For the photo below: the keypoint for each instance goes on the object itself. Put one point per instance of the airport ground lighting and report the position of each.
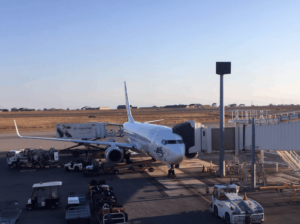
(222, 68)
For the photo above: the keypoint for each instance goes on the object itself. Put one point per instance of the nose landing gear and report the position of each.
(171, 171)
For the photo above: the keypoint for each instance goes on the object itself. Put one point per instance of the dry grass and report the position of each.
(47, 120)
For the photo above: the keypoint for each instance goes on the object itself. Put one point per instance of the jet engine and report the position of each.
(191, 155)
(113, 154)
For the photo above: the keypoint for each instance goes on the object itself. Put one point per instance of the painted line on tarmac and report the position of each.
(23, 171)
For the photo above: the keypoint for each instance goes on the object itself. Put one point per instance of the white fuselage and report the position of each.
(157, 141)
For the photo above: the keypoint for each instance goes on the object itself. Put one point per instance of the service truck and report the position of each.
(34, 158)
(227, 204)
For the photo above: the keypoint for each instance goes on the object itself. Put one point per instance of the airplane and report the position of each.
(159, 142)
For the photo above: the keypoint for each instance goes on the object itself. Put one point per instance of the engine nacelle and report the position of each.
(113, 154)
(191, 155)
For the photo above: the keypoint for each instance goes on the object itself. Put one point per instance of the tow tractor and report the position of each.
(44, 195)
(227, 204)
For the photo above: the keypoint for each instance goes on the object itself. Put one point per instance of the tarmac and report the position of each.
(149, 197)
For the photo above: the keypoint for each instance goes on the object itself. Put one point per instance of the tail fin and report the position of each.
(130, 119)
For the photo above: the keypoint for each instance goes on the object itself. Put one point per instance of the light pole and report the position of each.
(222, 68)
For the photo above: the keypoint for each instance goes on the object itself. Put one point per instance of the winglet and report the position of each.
(17, 129)
(130, 118)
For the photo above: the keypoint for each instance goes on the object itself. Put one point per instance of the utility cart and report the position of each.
(44, 195)
(9, 212)
(77, 209)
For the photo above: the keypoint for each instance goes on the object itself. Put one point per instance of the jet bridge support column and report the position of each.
(236, 145)
(253, 165)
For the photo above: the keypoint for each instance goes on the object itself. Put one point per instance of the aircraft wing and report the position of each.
(125, 145)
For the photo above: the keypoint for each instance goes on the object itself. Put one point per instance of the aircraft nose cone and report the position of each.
(178, 154)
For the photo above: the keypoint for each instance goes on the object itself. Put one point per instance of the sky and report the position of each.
(70, 54)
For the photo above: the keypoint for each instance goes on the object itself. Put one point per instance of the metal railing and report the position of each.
(292, 159)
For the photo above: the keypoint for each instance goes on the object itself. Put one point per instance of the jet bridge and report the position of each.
(198, 138)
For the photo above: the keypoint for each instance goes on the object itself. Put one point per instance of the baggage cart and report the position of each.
(77, 209)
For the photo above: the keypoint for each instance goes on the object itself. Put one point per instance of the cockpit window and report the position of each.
(169, 142)
(227, 190)
(10, 154)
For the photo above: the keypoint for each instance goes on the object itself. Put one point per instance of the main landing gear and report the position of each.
(127, 158)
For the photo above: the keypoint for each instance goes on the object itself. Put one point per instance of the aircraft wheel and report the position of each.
(151, 169)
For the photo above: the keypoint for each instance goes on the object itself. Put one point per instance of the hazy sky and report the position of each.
(78, 53)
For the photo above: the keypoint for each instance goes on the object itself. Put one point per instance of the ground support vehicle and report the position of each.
(79, 165)
(235, 209)
(73, 166)
(77, 208)
(33, 158)
(44, 195)
(96, 168)
(94, 183)
(9, 212)
(132, 167)
(100, 188)
(107, 212)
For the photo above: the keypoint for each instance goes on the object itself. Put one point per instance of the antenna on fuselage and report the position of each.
(129, 116)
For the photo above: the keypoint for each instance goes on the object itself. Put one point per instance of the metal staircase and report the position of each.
(292, 159)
